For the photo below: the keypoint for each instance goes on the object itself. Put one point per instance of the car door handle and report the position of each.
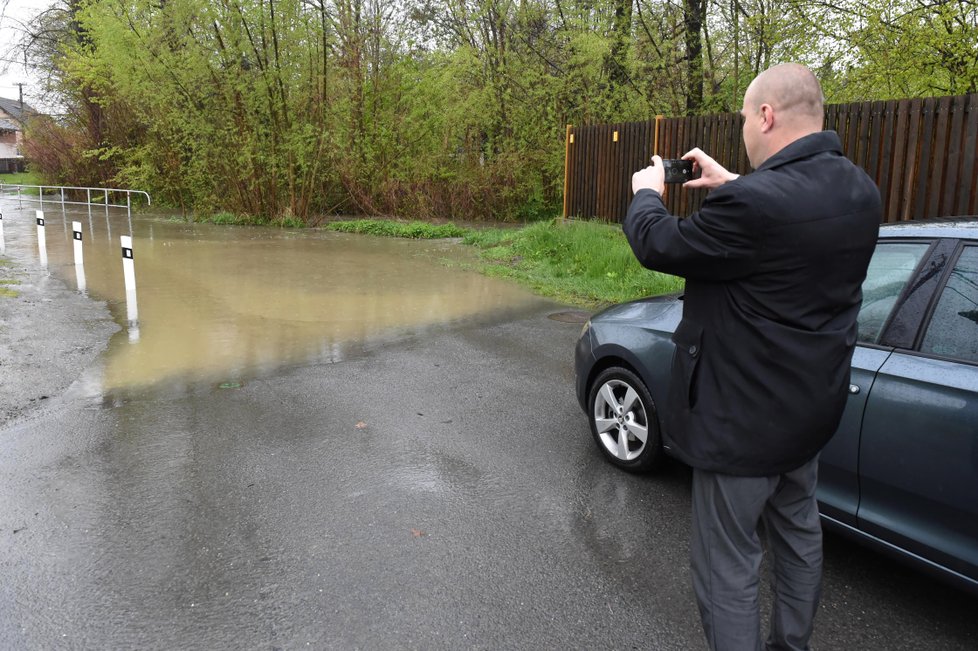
(853, 389)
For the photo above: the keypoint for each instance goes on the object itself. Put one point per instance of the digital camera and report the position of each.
(677, 170)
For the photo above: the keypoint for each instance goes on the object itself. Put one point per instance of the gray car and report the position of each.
(901, 472)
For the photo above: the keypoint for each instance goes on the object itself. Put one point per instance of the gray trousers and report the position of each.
(726, 556)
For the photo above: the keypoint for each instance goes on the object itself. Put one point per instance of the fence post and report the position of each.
(655, 137)
(567, 144)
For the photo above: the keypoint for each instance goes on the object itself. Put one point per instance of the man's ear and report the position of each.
(767, 113)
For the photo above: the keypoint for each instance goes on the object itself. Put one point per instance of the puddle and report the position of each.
(570, 316)
(222, 304)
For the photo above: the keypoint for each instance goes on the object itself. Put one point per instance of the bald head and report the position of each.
(782, 104)
(792, 90)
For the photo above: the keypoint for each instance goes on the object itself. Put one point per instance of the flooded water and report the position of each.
(222, 304)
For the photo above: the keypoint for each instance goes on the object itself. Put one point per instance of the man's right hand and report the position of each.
(712, 173)
(650, 178)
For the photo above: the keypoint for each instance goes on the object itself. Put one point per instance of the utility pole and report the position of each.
(20, 87)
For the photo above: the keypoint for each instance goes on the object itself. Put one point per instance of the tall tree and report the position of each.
(693, 18)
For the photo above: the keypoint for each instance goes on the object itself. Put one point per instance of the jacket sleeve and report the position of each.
(719, 242)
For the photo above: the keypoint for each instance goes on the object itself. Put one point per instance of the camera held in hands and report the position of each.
(677, 170)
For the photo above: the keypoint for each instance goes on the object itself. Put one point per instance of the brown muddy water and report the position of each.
(222, 304)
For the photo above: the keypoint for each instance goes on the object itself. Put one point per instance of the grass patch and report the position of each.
(417, 230)
(21, 178)
(233, 219)
(5, 290)
(585, 263)
(229, 219)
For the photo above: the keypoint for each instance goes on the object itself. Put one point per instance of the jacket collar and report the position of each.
(813, 143)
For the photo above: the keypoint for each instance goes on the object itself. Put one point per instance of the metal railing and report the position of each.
(59, 192)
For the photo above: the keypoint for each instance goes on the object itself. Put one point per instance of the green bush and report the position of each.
(414, 229)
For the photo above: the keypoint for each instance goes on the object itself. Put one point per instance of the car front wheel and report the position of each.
(623, 420)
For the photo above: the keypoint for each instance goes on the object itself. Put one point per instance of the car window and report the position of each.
(891, 266)
(953, 329)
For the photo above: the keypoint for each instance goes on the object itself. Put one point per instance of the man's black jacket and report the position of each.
(774, 262)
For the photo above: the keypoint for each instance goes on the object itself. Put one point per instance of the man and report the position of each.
(774, 262)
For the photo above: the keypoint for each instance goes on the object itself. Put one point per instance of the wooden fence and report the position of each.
(921, 153)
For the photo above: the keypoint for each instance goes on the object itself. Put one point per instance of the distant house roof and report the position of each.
(8, 125)
(18, 112)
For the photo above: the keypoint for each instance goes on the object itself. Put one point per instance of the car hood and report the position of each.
(660, 312)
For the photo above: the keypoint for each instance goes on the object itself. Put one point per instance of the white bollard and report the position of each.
(42, 245)
(3, 245)
(76, 234)
(80, 278)
(128, 266)
(129, 271)
(132, 316)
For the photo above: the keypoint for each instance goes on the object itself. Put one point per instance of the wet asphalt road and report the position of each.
(469, 509)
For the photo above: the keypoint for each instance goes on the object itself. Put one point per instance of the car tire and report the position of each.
(623, 420)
